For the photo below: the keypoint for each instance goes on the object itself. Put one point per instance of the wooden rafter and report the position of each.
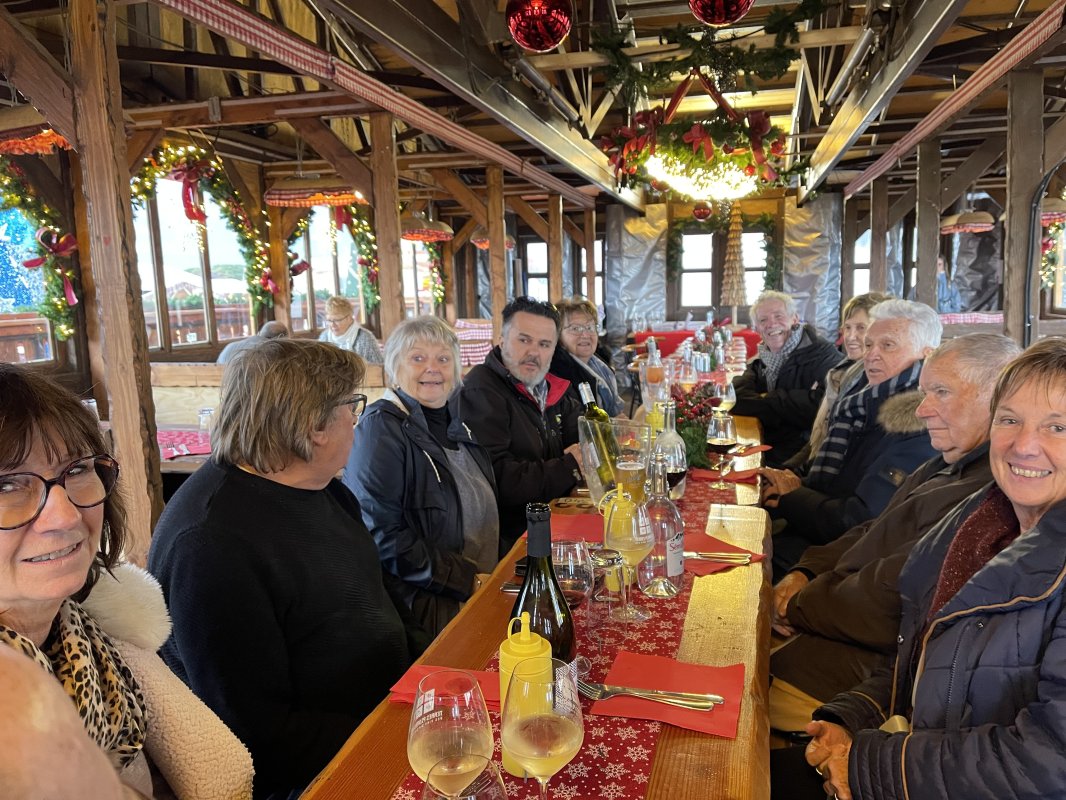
(327, 144)
(463, 194)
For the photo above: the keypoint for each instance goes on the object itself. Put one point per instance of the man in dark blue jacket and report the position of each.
(524, 415)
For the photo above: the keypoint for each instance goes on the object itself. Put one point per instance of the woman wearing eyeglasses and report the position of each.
(426, 488)
(580, 339)
(284, 622)
(89, 621)
(342, 330)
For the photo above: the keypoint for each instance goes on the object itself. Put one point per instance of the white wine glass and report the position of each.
(449, 720)
(573, 570)
(721, 438)
(464, 777)
(542, 728)
(627, 530)
(726, 395)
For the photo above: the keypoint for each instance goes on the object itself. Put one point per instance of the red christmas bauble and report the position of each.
(540, 25)
(701, 211)
(719, 12)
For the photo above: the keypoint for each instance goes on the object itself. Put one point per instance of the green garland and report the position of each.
(17, 193)
(1049, 253)
(213, 181)
(718, 222)
(362, 230)
(436, 273)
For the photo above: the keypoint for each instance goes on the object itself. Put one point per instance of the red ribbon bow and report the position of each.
(698, 137)
(758, 127)
(190, 175)
(267, 282)
(56, 246)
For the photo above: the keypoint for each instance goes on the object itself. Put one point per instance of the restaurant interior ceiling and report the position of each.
(867, 73)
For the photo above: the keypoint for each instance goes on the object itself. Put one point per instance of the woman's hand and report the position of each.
(786, 589)
(828, 753)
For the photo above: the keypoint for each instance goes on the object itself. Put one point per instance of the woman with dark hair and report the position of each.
(67, 602)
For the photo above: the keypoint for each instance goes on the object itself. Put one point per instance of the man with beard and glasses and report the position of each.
(524, 415)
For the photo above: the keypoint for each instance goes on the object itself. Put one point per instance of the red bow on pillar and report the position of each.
(341, 217)
(190, 175)
(56, 246)
(266, 280)
(758, 127)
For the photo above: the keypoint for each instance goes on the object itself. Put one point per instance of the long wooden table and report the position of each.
(727, 623)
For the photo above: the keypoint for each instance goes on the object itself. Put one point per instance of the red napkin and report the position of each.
(190, 450)
(586, 527)
(737, 476)
(703, 543)
(403, 691)
(659, 672)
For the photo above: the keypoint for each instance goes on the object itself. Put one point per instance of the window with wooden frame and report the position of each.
(334, 269)
(26, 336)
(537, 270)
(582, 277)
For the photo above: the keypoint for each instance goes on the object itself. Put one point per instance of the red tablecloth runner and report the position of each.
(616, 757)
(193, 442)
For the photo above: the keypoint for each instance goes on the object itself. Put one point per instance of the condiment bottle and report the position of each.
(518, 646)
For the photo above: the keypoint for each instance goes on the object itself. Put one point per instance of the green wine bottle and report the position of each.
(605, 445)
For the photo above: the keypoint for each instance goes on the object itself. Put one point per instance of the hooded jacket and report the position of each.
(848, 615)
(787, 411)
(410, 502)
(525, 445)
(983, 686)
(191, 747)
(878, 459)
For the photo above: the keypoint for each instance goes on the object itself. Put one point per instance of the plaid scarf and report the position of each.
(850, 417)
(84, 661)
(774, 361)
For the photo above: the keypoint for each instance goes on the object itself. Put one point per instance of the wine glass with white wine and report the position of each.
(542, 729)
(721, 438)
(449, 721)
(464, 777)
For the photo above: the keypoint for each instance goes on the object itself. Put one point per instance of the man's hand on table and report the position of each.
(787, 588)
(828, 753)
(575, 451)
(776, 482)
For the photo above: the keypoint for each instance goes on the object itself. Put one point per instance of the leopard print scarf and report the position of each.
(84, 660)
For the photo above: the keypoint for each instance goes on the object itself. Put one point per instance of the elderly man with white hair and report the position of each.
(874, 440)
(783, 387)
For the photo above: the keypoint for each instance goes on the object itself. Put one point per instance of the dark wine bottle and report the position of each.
(540, 595)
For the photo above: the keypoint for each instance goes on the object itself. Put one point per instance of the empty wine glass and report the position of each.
(449, 720)
(726, 395)
(542, 728)
(573, 570)
(721, 438)
(464, 777)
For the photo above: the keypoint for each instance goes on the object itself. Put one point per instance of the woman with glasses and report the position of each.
(579, 337)
(92, 623)
(284, 622)
(425, 487)
(342, 331)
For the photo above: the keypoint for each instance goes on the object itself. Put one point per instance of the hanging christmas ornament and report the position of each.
(540, 25)
(719, 12)
(701, 211)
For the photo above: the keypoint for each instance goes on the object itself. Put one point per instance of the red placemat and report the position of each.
(704, 543)
(182, 443)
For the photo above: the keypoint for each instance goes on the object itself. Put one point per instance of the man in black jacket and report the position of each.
(524, 415)
(784, 385)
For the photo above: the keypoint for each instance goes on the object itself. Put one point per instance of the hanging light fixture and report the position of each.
(719, 12)
(539, 25)
(720, 180)
(1052, 211)
(304, 192)
(975, 222)
(948, 223)
(417, 227)
(480, 239)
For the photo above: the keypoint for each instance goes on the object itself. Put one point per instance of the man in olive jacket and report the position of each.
(783, 387)
(841, 598)
(523, 415)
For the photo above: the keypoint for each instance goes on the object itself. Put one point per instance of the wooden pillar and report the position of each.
(879, 235)
(928, 219)
(1025, 169)
(387, 220)
(555, 247)
(590, 255)
(470, 283)
(497, 247)
(847, 251)
(279, 266)
(105, 176)
(447, 262)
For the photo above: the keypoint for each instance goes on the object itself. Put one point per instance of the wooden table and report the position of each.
(728, 622)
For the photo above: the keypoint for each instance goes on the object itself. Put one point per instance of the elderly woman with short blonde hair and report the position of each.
(342, 330)
(425, 486)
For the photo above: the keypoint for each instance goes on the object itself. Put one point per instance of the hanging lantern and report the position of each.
(1052, 210)
(540, 25)
(417, 227)
(308, 192)
(975, 222)
(719, 12)
(701, 211)
(948, 224)
(480, 239)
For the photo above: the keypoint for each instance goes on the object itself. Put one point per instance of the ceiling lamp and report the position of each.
(721, 180)
(539, 25)
(303, 192)
(719, 12)
(948, 223)
(975, 222)
(480, 239)
(417, 227)
(1052, 211)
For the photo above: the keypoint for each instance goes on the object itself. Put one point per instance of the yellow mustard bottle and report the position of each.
(518, 646)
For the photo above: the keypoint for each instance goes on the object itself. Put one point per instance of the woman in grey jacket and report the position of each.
(976, 705)
(425, 487)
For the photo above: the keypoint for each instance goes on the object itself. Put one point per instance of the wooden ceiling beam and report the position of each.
(248, 110)
(463, 194)
(529, 216)
(327, 144)
(197, 60)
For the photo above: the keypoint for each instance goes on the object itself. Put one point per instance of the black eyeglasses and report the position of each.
(87, 482)
(357, 404)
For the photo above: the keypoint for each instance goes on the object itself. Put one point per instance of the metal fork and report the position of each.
(696, 702)
(743, 559)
